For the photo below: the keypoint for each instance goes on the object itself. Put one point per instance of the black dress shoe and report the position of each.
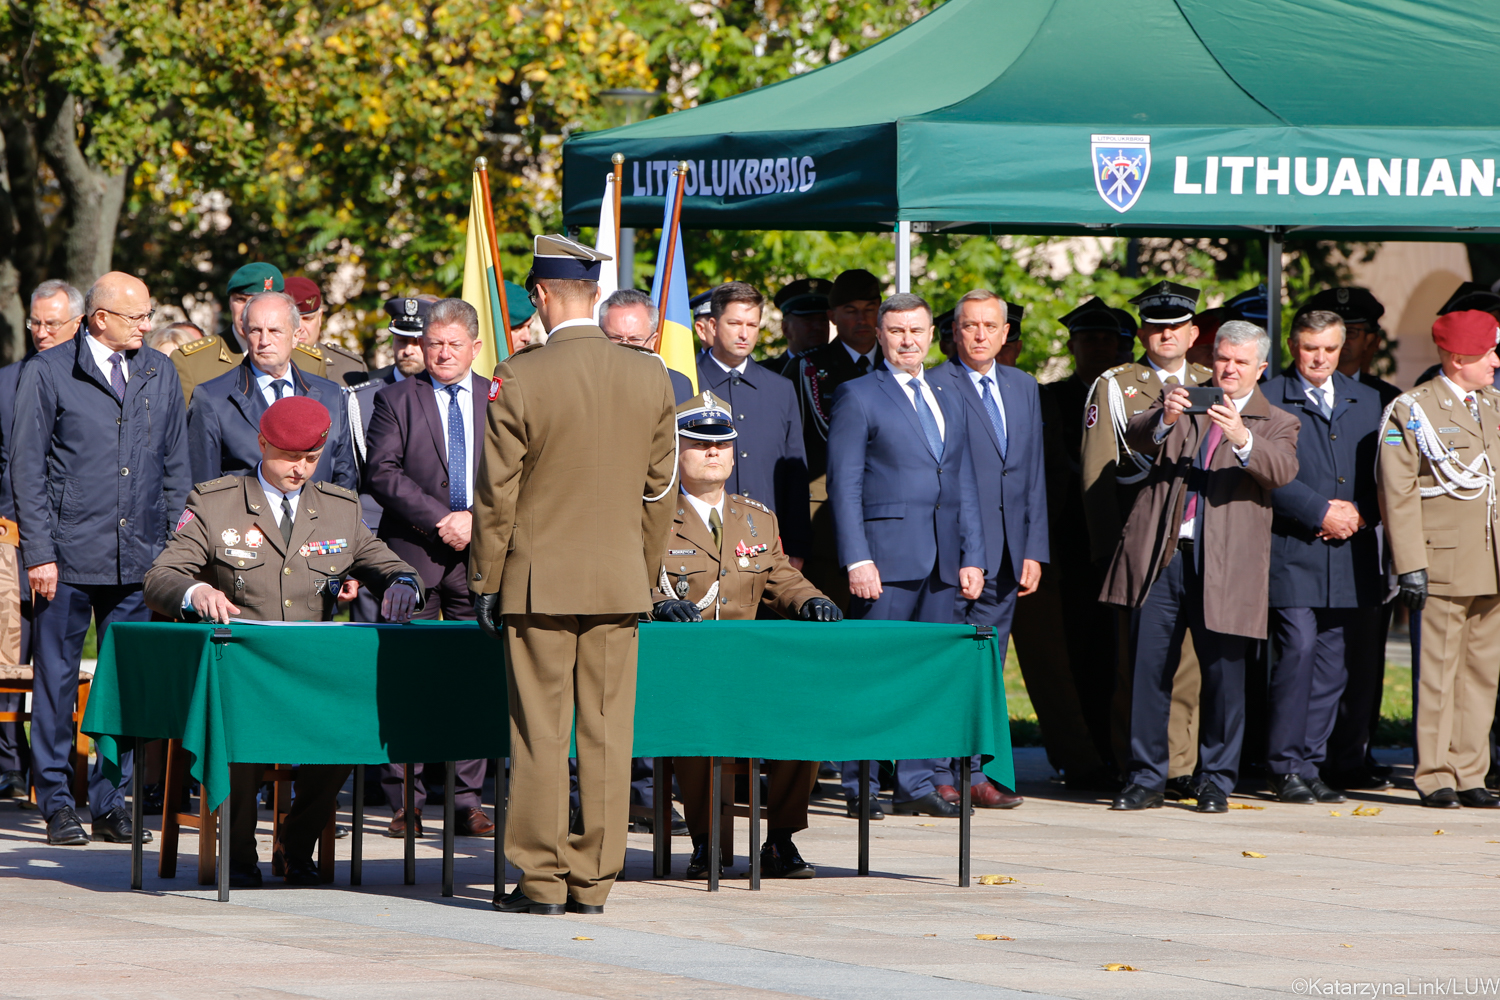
(12, 783)
(1478, 798)
(698, 864)
(931, 804)
(115, 827)
(1211, 799)
(1180, 787)
(1443, 798)
(1291, 788)
(244, 876)
(574, 906)
(1323, 793)
(65, 829)
(783, 861)
(1134, 796)
(852, 808)
(302, 871)
(518, 902)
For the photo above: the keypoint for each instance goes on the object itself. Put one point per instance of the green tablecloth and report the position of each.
(429, 691)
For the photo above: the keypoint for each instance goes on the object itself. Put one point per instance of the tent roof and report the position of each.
(983, 115)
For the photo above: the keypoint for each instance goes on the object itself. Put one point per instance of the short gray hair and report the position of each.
(454, 312)
(1239, 332)
(903, 302)
(281, 298)
(1316, 321)
(979, 295)
(626, 297)
(55, 286)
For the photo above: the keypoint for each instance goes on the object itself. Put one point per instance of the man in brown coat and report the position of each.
(573, 502)
(1437, 497)
(1196, 555)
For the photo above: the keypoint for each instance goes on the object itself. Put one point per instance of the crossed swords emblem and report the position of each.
(1117, 172)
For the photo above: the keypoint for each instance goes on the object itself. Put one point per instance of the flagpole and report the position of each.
(619, 161)
(675, 228)
(483, 166)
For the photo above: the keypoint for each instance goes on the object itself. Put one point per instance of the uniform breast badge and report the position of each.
(230, 536)
(746, 551)
(254, 537)
(324, 548)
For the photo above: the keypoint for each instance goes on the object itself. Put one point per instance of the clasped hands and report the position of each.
(398, 604)
(1342, 521)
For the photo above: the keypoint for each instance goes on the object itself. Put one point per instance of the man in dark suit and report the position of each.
(102, 418)
(804, 321)
(770, 464)
(1195, 555)
(424, 450)
(906, 505)
(1326, 581)
(224, 416)
(629, 317)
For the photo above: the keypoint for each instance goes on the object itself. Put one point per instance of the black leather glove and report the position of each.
(819, 609)
(1413, 589)
(487, 608)
(673, 610)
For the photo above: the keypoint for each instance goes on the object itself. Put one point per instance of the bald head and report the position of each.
(118, 307)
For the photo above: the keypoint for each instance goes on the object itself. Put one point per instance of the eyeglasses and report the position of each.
(50, 325)
(131, 320)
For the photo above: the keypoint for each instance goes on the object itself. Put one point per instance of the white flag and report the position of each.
(609, 274)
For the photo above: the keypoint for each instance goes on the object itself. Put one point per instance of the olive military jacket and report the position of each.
(207, 358)
(749, 566)
(1110, 479)
(228, 538)
(1453, 539)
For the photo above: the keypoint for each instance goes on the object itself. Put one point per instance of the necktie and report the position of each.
(994, 411)
(1173, 380)
(279, 387)
(716, 525)
(458, 453)
(286, 521)
(1215, 435)
(1469, 401)
(862, 365)
(1320, 403)
(117, 375)
(927, 420)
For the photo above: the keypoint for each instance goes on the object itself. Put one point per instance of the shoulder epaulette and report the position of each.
(736, 498)
(534, 346)
(215, 485)
(1118, 369)
(337, 491)
(340, 349)
(194, 346)
(1201, 368)
(310, 351)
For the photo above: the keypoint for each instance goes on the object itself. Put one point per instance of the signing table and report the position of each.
(435, 691)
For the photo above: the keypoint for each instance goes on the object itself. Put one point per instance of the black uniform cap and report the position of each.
(408, 316)
(1353, 305)
(1092, 315)
(804, 297)
(1167, 302)
(1470, 295)
(1014, 313)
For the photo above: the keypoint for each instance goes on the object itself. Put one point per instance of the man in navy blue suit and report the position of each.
(906, 507)
(1326, 582)
(224, 417)
(1005, 447)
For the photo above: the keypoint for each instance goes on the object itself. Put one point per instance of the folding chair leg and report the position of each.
(326, 842)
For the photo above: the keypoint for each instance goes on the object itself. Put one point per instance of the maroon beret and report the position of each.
(304, 292)
(1467, 331)
(296, 423)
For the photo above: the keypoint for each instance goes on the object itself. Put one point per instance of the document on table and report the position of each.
(252, 621)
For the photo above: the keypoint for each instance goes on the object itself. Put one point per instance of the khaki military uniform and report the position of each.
(1452, 535)
(730, 586)
(228, 538)
(340, 365)
(1110, 478)
(572, 502)
(198, 361)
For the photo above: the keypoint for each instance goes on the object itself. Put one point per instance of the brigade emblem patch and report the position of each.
(495, 384)
(1121, 164)
(1092, 416)
(1393, 436)
(183, 521)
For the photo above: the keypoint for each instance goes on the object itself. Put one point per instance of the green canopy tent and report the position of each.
(1316, 119)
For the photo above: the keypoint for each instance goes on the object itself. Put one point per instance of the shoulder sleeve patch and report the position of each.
(337, 491)
(194, 346)
(215, 485)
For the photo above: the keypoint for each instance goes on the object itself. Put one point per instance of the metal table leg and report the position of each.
(502, 791)
(864, 817)
(137, 814)
(661, 828)
(754, 770)
(715, 812)
(964, 824)
(223, 814)
(411, 828)
(448, 811)
(357, 835)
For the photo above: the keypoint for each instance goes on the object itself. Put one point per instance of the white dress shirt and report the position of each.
(102, 352)
(466, 407)
(1462, 395)
(585, 321)
(872, 355)
(265, 383)
(703, 509)
(1161, 373)
(738, 369)
(1311, 391)
(994, 391)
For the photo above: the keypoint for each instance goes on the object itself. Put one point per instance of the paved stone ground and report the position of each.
(1336, 899)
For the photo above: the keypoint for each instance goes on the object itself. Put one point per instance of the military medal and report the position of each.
(230, 536)
(253, 537)
(746, 551)
(325, 548)
(1131, 390)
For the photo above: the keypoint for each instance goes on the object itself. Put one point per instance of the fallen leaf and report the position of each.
(1243, 805)
(1185, 802)
(929, 935)
(1119, 967)
(1252, 854)
(927, 824)
(582, 939)
(995, 880)
(1334, 812)
(1366, 810)
(1346, 946)
(1438, 833)
(988, 937)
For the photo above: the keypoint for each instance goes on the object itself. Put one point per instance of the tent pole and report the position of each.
(1273, 297)
(903, 256)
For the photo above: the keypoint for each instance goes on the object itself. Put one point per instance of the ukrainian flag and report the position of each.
(676, 347)
(481, 280)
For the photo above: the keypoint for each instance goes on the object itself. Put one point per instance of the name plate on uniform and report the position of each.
(241, 554)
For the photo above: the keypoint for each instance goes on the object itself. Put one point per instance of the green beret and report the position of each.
(257, 277)
(518, 305)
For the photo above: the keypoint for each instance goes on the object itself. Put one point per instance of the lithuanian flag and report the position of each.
(482, 277)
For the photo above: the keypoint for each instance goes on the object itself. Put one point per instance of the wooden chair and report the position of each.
(17, 678)
(207, 825)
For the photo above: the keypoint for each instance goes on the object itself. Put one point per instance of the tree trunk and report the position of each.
(94, 197)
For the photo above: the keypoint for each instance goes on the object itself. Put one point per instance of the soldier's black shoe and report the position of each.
(1478, 798)
(574, 906)
(65, 829)
(1180, 787)
(931, 804)
(1291, 788)
(115, 827)
(12, 783)
(518, 902)
(851, 807)
(302, 871)
(1323, 793)
(698, 864)
(1443, 798)
(783, 861)
(1134, 796)
(1211, 799)
(244, 876)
